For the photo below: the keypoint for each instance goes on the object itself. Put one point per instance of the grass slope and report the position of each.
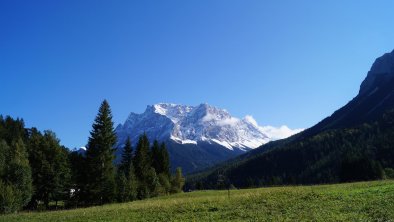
(365, 201)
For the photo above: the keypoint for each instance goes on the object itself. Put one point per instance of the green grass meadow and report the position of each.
(364, 201)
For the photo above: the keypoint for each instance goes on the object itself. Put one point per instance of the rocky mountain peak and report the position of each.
(382, 70)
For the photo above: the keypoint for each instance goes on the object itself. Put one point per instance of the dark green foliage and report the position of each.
(12, 130)
(78, 180)
(161, 165)
(4, 152)
(164, 160)
(358, 167)
(142, 163)
(15, 171)
(121, 187)
(352, 154)
(152, 183)
(389, 172)
(156, 157)
(142, 157)
(126, 181)
(127, 158)
(100, 175)
(178, 181)
(149, 171)
(132, 185)
(50, 168)
(165, 184)
(160, 158)
(36, 170)
(18, 171)
(10, 198)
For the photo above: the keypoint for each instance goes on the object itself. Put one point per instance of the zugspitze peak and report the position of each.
(193, 124)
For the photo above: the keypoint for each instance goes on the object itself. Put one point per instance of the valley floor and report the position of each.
(364, 201)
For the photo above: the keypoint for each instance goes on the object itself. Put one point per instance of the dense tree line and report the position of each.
(15, 172)
(365, 152)
(34, 167)
(36, 172)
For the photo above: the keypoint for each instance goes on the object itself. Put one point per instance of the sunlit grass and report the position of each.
(366, 201)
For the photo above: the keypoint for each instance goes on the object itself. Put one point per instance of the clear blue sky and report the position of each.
(283, 62)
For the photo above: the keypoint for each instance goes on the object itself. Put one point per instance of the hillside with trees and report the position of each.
(353, 144)
(360, 153)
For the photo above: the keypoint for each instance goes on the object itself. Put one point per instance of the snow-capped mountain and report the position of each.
(202, 128)
(193, 124)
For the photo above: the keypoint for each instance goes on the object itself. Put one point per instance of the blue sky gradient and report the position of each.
(283, 62)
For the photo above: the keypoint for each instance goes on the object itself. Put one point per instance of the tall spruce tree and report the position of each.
(143, 164)
(160, 158)
(161, 165)
(178, 181)
(127, 158)
(156, 157)
(165, 160)
(126, 180)
(99, 157)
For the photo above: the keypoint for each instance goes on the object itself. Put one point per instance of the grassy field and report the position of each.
(366, 201)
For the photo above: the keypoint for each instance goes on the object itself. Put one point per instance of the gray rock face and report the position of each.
(192, 125)
(381, 70)
(196, 136)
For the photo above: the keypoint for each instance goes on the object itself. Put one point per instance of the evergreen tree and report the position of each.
(13, 130)
(152, 183)
(178, 181)
(142, 163)
(132, 184)
(50, 168)
(4, 154)
(18, 171)
(161, 164)
(10, 196)
(165, 185)
(156, 158)
(142, 157)
(127, 158)
(79, 194)
(121, 186)
(99, 156)
(15, 171)
(126, 179)
(160, 159)
(165, 160)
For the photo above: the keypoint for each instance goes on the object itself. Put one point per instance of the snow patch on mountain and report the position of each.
(176, 139)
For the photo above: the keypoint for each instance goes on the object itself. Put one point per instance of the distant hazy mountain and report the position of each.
(198, 136)
(354, 143)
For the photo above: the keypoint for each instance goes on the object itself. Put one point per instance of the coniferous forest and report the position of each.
(359, 153)
(38, 173)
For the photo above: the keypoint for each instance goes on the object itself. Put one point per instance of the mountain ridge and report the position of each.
(321, 153)
(192, 124)
(197, 128)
